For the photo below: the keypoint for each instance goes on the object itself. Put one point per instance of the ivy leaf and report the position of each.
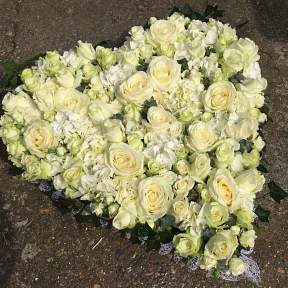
(11, 71)
(147, 104)
(237, 78)
(117, 116)
(87, 219)
(276, 192)
(142, 67)
(212, 11)
(10, 68)
(262, 168)
(184, 64)
(245, 146)
(153, 244)
(165, 236)
(216, 273)
(262, 214)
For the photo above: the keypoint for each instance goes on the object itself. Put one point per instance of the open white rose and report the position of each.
(200, 166)
(201, 136)
(183, 185)
(20, 107)
(247, 239)
(113, 130)
(136, 89)
(222, 245)
(126, 217)
(159, 118)
(224, 154)
(237, 266)
(154, 196)
(69, 99)
(161, 32)
(219, 96)
(39, 138)
(250, 181)
(86, 51)
(45, 99)
(242, 126)
(187, 244)
(180, 209)
(222, 187)
(215, 214)
(99, 111)
(164, 73)
(124, 160)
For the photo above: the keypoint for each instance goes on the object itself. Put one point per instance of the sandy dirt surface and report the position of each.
(39, 246)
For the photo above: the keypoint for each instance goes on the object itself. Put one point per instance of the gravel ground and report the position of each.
(39, 246)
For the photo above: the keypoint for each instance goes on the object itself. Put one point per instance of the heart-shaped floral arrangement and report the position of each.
(160, 135)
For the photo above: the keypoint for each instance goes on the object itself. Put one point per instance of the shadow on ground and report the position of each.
(7, 242)
(271, 18)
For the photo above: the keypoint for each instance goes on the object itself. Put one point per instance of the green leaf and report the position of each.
(87, 219)
(262, 214)
(165, 236)
(184, 64)
(276, 192)
(216, 273)
(210, 12)
(245, 146)
(262, 168)
(237, 78)
(153, 244)
(147, 104)
(10, 69)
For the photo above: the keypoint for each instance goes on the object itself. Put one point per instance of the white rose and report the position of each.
(242, 127)
(233, 60)
(164, 73)
(86, 51)
(247, 238)
(224, 154)
(183, 185)
(250, 181)
(20, 107)
(201, 136)
(187, 244)
(222, 187)
(124, 160)
(99, 111)
(259, 143)
(162, 31)
(180, 209)
(113, 130)
(200, 166)
(248, 48)
(154, 197)
(159, 118)
(136, 89)
(237, 266)
(126, 217)
(215, 214)
(72, 100)
(39, 138)
(219, 96)
(253, 90)
(222, 245)
(45, 101)
(67, 79)
(73, 174)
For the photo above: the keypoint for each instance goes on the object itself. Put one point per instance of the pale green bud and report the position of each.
(105, 57)
(252, 159)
